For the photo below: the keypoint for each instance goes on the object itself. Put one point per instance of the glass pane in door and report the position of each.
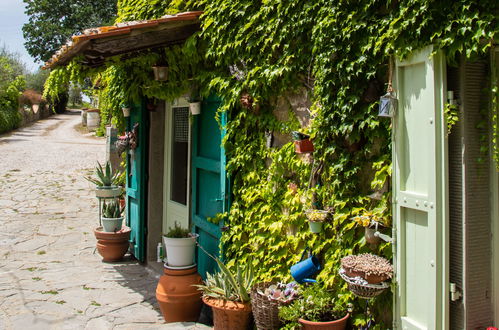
(179, 148)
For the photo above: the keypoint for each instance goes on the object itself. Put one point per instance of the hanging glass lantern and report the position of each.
(387, 105)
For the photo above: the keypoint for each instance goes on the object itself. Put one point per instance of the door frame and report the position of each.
(167, 203)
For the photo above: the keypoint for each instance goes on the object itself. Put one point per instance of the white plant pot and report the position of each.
(112, 225)
(107, 192)
(126, 112)
(195, 108)
(180, 251)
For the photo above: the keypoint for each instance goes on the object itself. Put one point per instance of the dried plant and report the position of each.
(368, 264)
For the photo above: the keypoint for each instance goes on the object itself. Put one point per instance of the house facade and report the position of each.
(445, 197)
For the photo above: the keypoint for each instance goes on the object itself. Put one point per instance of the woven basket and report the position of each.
(365, 291)
(265, 310)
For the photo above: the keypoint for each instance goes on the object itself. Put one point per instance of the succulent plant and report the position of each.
(229, 285)
(105, 177)
(111, 209)
(282, 292)
(369, 264)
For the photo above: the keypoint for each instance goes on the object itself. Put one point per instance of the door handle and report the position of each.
(216, 200)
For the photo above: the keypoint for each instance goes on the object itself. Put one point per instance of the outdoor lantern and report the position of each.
(160, 73)
(387, 105)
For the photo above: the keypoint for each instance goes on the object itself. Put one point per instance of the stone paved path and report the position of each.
(50, 277)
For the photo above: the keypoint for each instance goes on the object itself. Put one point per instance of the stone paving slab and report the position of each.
(50, 275)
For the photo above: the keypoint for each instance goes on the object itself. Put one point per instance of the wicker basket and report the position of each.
(265, 310)
(365, 291)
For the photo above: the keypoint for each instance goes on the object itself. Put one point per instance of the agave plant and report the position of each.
(111, 209)
(106, 177)
(229, 285)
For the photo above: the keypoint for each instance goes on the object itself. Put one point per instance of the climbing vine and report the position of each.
(335, 53)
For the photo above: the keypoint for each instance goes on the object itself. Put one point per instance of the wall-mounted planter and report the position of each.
(304, 146)
(160, 73)
(195, 108)
(315, 226)
(126, 111)
(370, 237)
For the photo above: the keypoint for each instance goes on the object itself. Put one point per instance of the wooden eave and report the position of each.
(99, 44)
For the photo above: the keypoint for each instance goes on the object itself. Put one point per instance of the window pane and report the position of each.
(179, 145)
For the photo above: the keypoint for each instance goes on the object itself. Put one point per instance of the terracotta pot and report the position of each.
(304, 146)
(178, 299)
(229, 315)
(331, 325)
(122, 203)
(371, 279)
(112, 246)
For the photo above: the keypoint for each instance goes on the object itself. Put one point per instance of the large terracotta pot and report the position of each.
(112, 246)
(331, 325)
(178, 299)
(229, 315)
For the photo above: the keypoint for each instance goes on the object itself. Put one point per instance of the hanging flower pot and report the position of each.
(195, 108)
(315, 219)
(126, 111)
(160, 73)
(303, 144)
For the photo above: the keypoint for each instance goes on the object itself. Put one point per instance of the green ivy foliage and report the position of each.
(337, 52)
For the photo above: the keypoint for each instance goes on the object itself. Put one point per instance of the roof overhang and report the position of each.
(97, 44)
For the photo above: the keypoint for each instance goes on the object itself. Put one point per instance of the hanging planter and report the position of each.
(302, 142)
(315, 219)
(195, 100)
(160, 73)
(126, 111)
(195, 108)
(369, 267)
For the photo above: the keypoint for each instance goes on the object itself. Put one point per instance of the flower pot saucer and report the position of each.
(179, 267)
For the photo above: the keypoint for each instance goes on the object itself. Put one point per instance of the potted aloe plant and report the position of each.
(227, 293)
(317, 308)
(105, 181)
(180, 245)
(112, 216)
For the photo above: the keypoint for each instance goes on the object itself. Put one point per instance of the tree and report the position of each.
(36, 80)
(52, 23)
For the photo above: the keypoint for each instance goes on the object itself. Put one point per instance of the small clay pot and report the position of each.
(340, 324)
(112, 246)
(371, 279)
(178, 299)
(304, 146)
(229, 315)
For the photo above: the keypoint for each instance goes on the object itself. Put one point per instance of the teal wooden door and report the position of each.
(420, 194)
(209, 182)
(136, 184)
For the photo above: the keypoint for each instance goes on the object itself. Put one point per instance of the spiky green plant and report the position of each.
(105, 177)
(177, 231)
(228, 285)
(111, 209)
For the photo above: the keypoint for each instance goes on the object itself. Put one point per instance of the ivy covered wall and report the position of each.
(334, 55)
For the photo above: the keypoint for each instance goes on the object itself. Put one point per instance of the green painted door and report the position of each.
(209, 182)
(136, 185)
(420, 197)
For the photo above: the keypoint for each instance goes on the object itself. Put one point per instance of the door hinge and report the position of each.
(455, 293)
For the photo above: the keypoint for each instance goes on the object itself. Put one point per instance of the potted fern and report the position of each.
(112, 216)
(180, 245)
(105, 181)
(227, 293)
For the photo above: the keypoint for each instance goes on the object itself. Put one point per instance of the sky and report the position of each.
(12, 18)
